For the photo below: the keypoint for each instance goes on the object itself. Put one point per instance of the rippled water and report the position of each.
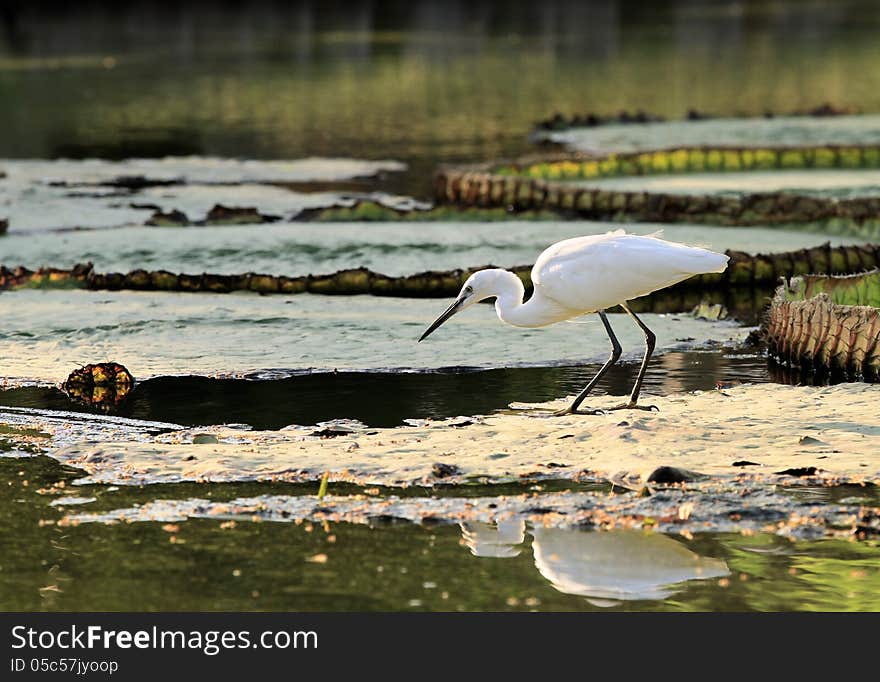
(217, 565)
(46, 334)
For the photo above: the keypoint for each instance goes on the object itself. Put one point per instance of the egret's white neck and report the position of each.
(536, 312)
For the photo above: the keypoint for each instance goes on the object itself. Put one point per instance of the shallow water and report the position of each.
(47, 334)
(387, 398)
(420, 82)
(211, 564)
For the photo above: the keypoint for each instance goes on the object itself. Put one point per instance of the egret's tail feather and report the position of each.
(723, 260)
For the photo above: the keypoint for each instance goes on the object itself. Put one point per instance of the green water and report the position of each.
(394, 566)
(417, 81)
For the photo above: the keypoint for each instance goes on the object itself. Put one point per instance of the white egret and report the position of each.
(588, 275)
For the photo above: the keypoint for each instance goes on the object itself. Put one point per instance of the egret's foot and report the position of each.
(566, 411)
(633, 406)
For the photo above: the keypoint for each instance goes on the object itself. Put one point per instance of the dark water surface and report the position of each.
(421, 81)
(387, 398)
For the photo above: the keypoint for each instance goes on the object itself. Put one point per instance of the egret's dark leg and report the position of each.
(614, 357)
(650, 340)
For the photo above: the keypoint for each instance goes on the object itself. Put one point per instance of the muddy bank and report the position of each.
(491, 525)
(772, 432)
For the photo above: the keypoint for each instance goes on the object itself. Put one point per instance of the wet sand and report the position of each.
(830, 433)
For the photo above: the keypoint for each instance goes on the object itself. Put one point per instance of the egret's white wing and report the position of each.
(600, 271)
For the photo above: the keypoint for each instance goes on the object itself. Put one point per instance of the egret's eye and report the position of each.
(469, 290)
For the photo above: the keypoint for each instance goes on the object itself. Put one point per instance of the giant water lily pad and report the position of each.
(64, 194)
(393, 248)
(783, 130)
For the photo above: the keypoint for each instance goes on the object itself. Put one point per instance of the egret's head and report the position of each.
(481, 285)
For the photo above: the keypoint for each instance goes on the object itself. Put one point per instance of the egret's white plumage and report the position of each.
(587, 275)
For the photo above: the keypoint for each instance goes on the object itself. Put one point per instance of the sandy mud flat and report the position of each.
(801, 462)
(832, 432)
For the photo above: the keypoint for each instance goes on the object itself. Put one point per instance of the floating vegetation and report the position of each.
(366, 210)
(21, 440)
(104, 385)
(746, 274)
(857, 290)
(548, 183)
(590, 120)
(581, 166)
(218, 215)
(828, 324)
(91, 194)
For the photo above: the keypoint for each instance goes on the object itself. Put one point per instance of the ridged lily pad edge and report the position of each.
(811, 332)
(542, 183)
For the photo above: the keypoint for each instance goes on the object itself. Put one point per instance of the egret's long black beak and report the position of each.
(449, 312)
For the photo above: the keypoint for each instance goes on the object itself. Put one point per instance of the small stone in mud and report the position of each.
(809, 440)
(798, 471)
(441, 470)
(205, 438)
(667, 474)
(329, 432)
(721, 385)
(556, 465)
(744, 463)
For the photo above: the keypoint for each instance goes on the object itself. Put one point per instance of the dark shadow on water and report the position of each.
(386, 398)
(134, 143)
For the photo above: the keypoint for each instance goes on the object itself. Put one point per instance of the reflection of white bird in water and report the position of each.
(587, 275)
(618, 565)
(607, 567)
(504, 539)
